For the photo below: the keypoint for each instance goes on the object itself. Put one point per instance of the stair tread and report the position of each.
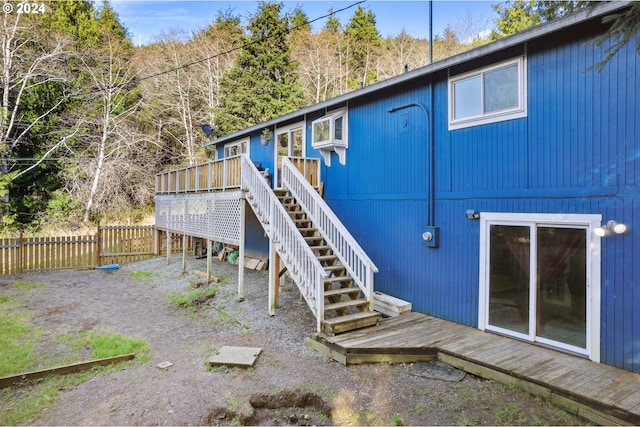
(341, 291)
(350, 317)
(345, 304)
(336, 279)
(326, 257)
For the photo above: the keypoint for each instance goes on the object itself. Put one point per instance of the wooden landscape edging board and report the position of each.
(66, 369)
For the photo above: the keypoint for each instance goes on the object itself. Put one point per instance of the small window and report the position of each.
(488, 95)
(236, 148)
(329, 130)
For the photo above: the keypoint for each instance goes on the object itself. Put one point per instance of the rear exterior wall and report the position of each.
(577, 151)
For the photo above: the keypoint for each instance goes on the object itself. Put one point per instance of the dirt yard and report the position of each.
(290, 384)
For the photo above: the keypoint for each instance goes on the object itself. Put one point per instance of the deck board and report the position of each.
(598, 392)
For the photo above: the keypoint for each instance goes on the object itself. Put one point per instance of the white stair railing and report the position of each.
(344, 246)
(294, 251)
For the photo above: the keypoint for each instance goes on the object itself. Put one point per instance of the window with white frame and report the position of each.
(329, 133)
(236, 148)
(329, 130)
(488, 95)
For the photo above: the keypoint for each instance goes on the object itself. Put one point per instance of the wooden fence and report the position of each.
(110, 245)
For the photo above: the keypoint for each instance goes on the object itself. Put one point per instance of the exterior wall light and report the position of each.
(611, 226)
(472, 214)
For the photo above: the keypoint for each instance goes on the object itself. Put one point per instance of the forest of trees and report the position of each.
(87, 118)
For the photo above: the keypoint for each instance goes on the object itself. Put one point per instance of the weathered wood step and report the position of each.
(354, 303)
(334, 268)
(338, 279)
(307, 229)
(342, 291)
(340, 324)
(313, 238)
(327, 258)
(320, 248)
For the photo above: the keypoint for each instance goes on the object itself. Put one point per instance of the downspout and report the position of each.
(430, 233)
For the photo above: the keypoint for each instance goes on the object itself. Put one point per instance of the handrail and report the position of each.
(294, 251)
(215, 175)
(344, 246)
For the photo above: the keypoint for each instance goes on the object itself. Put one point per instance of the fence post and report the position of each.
(98, 244)
(184, 252)
(21, 253)
(168, 247)
(156, 241)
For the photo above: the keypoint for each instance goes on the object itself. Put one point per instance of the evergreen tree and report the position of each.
(333, 23)
(263, 83)
(624, 28)
(363, 48)
(518, 15)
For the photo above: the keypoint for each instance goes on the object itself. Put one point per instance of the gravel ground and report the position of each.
(290, 383)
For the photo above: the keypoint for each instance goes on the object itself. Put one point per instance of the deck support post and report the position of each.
(184, 252)
(209, 250)
(243, 218)
(168, 247)
(274, 277)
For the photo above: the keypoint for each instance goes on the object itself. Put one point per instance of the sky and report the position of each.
(148, 19)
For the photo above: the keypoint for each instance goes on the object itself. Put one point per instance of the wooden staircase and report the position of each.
(345, 309)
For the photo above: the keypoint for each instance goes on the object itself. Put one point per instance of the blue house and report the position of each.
(498, 189)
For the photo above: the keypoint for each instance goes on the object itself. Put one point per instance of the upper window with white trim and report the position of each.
(329, 133)
(329, 130)
(236, 148)
(488, 95)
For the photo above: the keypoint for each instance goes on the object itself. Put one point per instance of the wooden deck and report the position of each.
(600, 393)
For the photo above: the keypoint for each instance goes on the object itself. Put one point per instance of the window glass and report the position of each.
(321, 130)
(283, 139)
(466, 98)
(337, 132)
(235, 149)
(488, 95)
(501, 89)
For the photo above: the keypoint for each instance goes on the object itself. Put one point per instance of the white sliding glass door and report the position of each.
(540, 279)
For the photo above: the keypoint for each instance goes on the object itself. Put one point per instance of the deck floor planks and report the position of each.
(621, 394)
(632, 401)
(573, 379)
(406, 341)
(478, 346)
(604, 385)
(527, 361)
(390, 332)
(467, 341)
(562, 368)
(617, 391)
(550, 371)
(504, 356)
(390, 325)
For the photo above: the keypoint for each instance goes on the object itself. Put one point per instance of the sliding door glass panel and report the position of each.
(561, 285)
(510, 258)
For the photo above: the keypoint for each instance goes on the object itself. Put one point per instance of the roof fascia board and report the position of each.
(576, 18)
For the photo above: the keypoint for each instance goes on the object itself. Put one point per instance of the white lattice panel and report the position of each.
(214, 216)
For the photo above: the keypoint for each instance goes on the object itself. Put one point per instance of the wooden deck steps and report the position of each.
(599, 393)
(345, 309)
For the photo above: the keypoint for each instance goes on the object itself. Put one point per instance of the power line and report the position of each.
(161, 73)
